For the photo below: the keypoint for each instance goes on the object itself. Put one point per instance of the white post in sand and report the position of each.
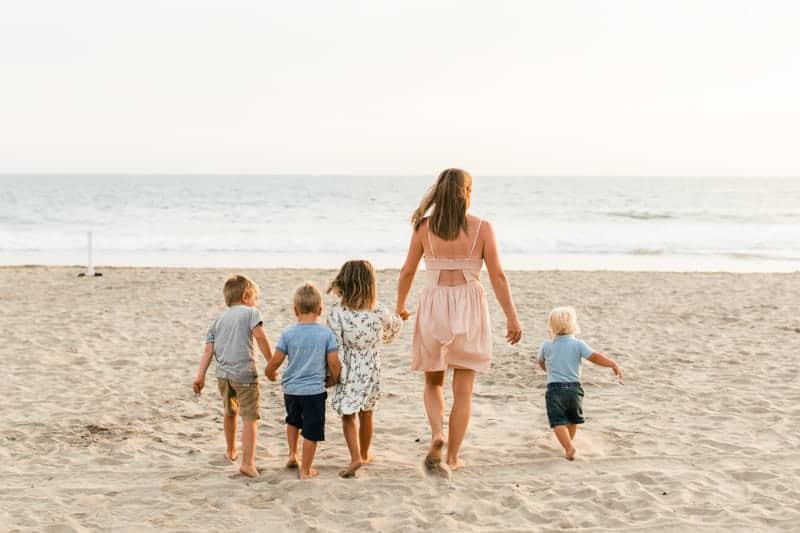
(90, 271)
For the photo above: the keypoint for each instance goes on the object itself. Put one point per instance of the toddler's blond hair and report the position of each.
(307, 299)
(563, 321)
(237, 288)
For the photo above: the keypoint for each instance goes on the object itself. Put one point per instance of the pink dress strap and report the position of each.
(475, 241)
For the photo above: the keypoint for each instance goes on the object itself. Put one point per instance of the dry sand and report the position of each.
(100, 429)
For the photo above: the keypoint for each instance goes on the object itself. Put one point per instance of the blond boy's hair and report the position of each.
(355, 284)
(307, 299)
(238, 287)
(563, 321)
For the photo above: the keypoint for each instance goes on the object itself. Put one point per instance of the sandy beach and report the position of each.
(100, 429)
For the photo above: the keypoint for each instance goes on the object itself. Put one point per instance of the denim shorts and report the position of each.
(564, 403)
(307, 413)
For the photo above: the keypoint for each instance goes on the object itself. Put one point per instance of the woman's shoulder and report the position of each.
(423, 225)
(482, 222)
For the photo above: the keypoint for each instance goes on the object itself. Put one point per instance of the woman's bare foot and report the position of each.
(455, 464)
(570, 454)
(367, 460)
(292, 462)
(433, 461)
(351, 470)
(231, 455)
(435, 450)
(249, 470)
(311, 472)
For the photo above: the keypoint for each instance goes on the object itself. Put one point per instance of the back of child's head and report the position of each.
(237, 288)
(563, 321)
(355, 284)
(307, 299)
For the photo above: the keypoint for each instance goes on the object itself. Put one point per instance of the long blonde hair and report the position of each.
(355, 284)
(448, 197)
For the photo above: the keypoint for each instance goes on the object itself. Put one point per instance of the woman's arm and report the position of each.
(502, 290)
(407, 273)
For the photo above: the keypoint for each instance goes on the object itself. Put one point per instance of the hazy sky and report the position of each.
(669, 87)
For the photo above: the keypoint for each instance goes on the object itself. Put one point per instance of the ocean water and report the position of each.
(319, 221)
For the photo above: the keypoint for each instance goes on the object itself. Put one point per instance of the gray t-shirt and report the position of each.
(563, 356)
(306, 347)
(234, 348)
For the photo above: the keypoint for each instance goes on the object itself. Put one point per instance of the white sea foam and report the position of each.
(607, 223)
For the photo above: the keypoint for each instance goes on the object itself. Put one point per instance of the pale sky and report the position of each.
(559, 87)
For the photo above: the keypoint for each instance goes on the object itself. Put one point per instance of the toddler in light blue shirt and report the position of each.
(561, 358)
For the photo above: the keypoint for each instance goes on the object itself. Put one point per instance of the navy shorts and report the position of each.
(564, 403)
(307, 413)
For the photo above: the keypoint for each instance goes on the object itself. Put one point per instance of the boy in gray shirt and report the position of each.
(230, 341)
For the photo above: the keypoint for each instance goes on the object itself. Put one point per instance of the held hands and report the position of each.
(198, 384)
(403, 312)
(329, 382)
(513, 331)
(272, 376)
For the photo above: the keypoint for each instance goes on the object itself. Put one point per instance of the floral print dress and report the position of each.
(359, 333)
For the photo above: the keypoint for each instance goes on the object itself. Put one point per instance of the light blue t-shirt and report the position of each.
(306, 347)
(562, 357)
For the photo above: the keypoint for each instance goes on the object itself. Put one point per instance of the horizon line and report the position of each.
(377, 175)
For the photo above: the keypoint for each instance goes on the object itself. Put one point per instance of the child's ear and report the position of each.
(295, 311)
(319, 311)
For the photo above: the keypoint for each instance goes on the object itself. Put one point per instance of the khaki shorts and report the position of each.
(240, 398)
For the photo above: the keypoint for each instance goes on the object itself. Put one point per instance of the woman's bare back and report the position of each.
(458, 248)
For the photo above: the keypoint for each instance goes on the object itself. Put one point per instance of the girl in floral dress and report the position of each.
(360, 323)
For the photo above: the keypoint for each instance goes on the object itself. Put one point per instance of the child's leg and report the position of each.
(293, 438)
(230, 404)
(249, 430)
(562, 434)
(351, 437)
(229, 424)
(309, 449)
(365, 435)
(572, 428)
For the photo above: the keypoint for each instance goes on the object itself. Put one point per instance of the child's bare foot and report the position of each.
(455, 464)
(367, 460)
(249, 470)
(231, 455)
(351, 470)
(293, 462)
(570, 454)
(308, 474)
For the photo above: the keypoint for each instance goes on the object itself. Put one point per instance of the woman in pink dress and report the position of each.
(452, 328)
